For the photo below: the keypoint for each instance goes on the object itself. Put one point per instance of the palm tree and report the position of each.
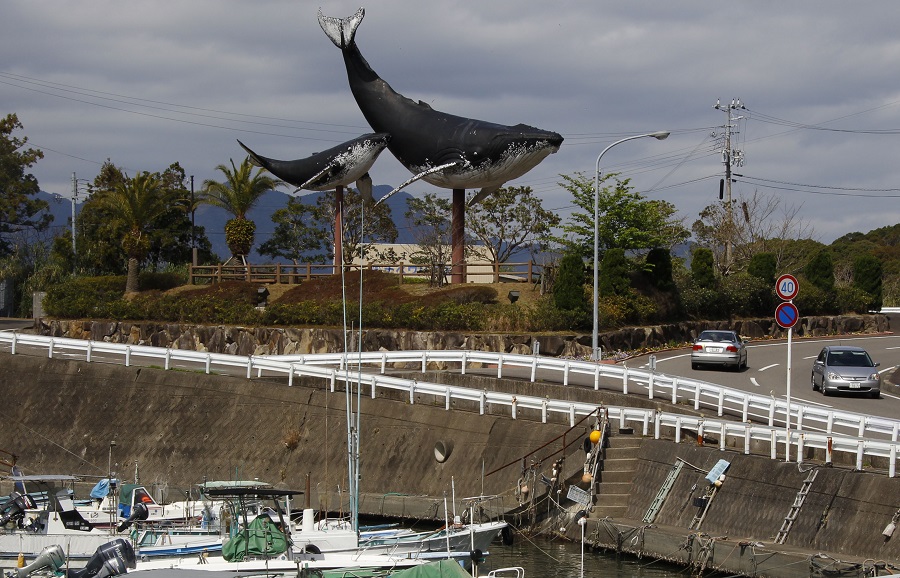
(136, 203)
(237, 194)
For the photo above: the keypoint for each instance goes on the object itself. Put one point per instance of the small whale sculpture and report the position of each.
(447, 151)
(337, 166)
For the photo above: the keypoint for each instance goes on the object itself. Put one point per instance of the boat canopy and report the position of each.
(261, 538)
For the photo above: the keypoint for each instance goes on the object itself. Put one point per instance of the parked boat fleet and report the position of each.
(235, 527)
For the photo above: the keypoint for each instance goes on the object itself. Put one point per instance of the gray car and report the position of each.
(719, 347)
(845, 369)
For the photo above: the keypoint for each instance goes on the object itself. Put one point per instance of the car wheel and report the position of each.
(875, 394)
(695, 365)
(813, 380)
(824, 391)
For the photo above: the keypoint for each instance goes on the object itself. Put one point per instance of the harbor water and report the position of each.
(557, 558)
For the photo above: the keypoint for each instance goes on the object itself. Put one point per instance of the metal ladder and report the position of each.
(795, 508)
(663, 493)
(708, 496)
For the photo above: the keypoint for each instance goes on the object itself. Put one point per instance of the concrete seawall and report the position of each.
(178, 428)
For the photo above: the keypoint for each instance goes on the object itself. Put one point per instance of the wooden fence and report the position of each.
(524, 272)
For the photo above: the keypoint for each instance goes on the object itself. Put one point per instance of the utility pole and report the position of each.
(193, 227)
(730, 157)
(74, 200)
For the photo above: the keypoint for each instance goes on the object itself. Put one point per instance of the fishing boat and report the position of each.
(46, 515)
(117, 558)
(112, 502)
(42, 512)
(270, 542)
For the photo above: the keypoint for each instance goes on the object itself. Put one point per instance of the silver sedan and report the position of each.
(719, 347)
(845, 369)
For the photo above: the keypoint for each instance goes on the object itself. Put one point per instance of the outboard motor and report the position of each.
(15, 508)
(51, 557)
(110, 559)
(139, 513)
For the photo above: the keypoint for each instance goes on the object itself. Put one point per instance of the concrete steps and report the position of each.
(616, 476)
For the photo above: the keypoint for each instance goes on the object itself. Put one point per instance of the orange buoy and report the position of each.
(595, 436)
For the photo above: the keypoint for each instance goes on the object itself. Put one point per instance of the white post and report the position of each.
(787, 411)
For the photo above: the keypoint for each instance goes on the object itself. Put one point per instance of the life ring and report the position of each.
(506, 535)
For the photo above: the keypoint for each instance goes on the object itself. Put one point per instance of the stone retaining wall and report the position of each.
(277, 341)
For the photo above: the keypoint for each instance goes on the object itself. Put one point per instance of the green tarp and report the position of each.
(261, 538)
(437, 569)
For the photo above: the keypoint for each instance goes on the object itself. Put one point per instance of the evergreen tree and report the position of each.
(820, 271)
(568, 290)
(868, 275)
(763, 266)
(702, 268)
(614, 278)
(658, 266)
(19, 210)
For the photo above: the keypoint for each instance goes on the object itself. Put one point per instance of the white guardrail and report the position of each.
(811, 426)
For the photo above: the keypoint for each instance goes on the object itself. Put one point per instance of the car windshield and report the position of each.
(849, 359)
(716, 336)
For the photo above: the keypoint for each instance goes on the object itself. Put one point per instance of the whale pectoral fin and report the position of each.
(327, 170)
(364, 186)
(341, 30)
(254, 159)
(415, 178)
(482, 195)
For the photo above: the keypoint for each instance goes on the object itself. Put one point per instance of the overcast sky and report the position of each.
(149, 83)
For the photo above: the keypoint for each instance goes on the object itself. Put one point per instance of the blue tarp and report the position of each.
(101, 490)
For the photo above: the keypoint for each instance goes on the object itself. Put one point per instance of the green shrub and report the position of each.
(544, 315)
(83, 297)
(812, 300)
(746, 295)
(149, 281)
(702, 302)
(851, 299)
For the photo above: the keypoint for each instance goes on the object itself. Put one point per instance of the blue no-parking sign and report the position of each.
(786, 315)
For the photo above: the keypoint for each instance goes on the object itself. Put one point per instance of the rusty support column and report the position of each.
(458, 237)
(338, 230)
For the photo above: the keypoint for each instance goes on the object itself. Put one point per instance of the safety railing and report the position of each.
(812, 427)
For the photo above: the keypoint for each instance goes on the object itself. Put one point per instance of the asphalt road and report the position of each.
(767, 372)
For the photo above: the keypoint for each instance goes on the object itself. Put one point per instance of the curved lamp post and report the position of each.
(595, 345)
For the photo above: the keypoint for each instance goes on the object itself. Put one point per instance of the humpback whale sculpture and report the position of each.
(337, 166)
(447, 151)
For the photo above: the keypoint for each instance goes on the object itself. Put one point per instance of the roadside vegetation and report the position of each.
(135, 238)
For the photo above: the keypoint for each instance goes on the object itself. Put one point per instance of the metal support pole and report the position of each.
(338, 229)
(458, 238)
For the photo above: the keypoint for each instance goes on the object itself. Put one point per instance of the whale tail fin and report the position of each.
(341, 30)
(255, 160)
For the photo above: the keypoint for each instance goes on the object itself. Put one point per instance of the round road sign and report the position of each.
(786, 315)
(787, 287)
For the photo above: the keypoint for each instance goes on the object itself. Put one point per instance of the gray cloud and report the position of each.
(150, 83)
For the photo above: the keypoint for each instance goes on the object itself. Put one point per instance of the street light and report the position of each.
(595, 348)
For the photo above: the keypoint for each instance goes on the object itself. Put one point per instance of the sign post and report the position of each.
(787, 315)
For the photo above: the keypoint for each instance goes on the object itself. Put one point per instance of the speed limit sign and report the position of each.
(787, 287)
